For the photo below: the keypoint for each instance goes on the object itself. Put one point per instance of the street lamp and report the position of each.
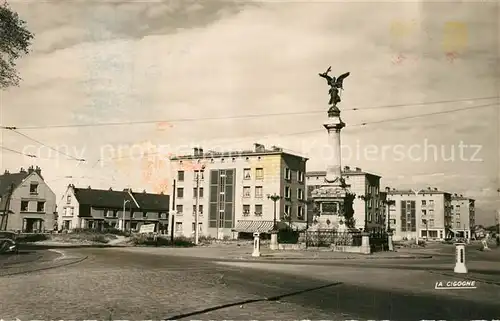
(123, 216)
(388, 204)
(366, 198)
(274, 198)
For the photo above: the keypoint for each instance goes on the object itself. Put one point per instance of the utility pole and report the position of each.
(196, 228)
(196, 208)
(173, 215)
(5, 215)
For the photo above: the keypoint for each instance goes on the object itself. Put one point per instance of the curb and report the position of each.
(270, 258)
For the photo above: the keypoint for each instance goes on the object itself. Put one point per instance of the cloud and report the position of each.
(171, 60)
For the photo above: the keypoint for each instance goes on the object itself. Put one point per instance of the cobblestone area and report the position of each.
(113, 284)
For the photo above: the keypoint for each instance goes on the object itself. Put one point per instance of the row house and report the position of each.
(126, 210)
(31, 202)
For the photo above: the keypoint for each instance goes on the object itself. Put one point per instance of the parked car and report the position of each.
(8, 243)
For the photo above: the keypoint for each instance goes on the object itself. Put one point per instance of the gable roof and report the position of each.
(115, 199)
(7, 179)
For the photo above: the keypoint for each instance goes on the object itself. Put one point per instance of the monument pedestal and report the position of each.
(274, 240)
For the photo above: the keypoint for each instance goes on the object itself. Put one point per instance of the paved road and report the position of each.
(118, 284)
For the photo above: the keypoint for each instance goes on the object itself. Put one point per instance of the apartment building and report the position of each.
(420, 214)
(463, 216)
(362, 184)
(31, 202)
(229, 191)
(98, 209)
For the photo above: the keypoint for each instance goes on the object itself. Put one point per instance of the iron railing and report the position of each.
(326, 238)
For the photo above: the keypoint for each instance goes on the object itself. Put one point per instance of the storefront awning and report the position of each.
(248, 226)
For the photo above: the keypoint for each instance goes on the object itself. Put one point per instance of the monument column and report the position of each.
(333, 126)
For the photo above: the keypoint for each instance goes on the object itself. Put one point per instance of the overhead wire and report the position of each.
(179, 120)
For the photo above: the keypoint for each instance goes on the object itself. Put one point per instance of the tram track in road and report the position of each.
(39, 261)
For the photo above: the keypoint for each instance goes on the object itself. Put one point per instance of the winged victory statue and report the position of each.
(336, 84)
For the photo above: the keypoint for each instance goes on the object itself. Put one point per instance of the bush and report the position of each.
(29, 238)
(149, 240)
(112, 231)
(99, 239)
(288, 236)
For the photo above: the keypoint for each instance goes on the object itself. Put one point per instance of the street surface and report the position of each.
(145, 284)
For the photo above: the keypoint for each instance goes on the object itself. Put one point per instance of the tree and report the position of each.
(15, 40)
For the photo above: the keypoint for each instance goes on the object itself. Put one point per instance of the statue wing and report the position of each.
(340, 79)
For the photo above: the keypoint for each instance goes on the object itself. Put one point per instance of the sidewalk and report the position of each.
(245, 253)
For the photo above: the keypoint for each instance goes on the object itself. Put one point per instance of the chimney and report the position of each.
(200, 151)
(144, 191)
(110, 189)
(358, 169)
(461, 195)
(347, 168)
(435, 189)
(430, 189)
(89, 187)
(30, 169)
(6, 172)
(38, 170)
(259, 148)
(22, 170)
(196, 151)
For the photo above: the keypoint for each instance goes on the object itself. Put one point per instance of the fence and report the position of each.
(379, 241)
(327, 238)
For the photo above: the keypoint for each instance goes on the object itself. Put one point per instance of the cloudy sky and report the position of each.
(175, 61)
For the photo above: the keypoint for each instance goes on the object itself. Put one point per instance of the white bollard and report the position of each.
(256, 245)
(460, 258)
(485, 245)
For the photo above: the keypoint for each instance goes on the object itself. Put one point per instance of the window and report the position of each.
(246, 191)
(458, 208)
(246, 174)
(199, 174)
(300, 194)
(179, 209)
(258, 210)
(24, 206)
(180, 192)
(144, 214)
(193, 227)
(200, 209)
(106, 213)
(162, 215)
(424, 212)
(195, 192)
(431, 222)
(68, 199)
(246, 210)
(431, 212)
(34, 188)
(288, 174)
(300, 212)
(259, 173)
(178, 226)
(300, 176)
(200, 194)
(200, 227)
(431, 202)
(287, 210)
(71, 211)
(258, 191)
(287, 192)
(423, 202)
(133, 226)
(180, 176)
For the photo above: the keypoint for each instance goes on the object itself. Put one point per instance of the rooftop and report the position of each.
(421, 191)
(114, 199)
(259, 150)
(347, 170)
(7, 179)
